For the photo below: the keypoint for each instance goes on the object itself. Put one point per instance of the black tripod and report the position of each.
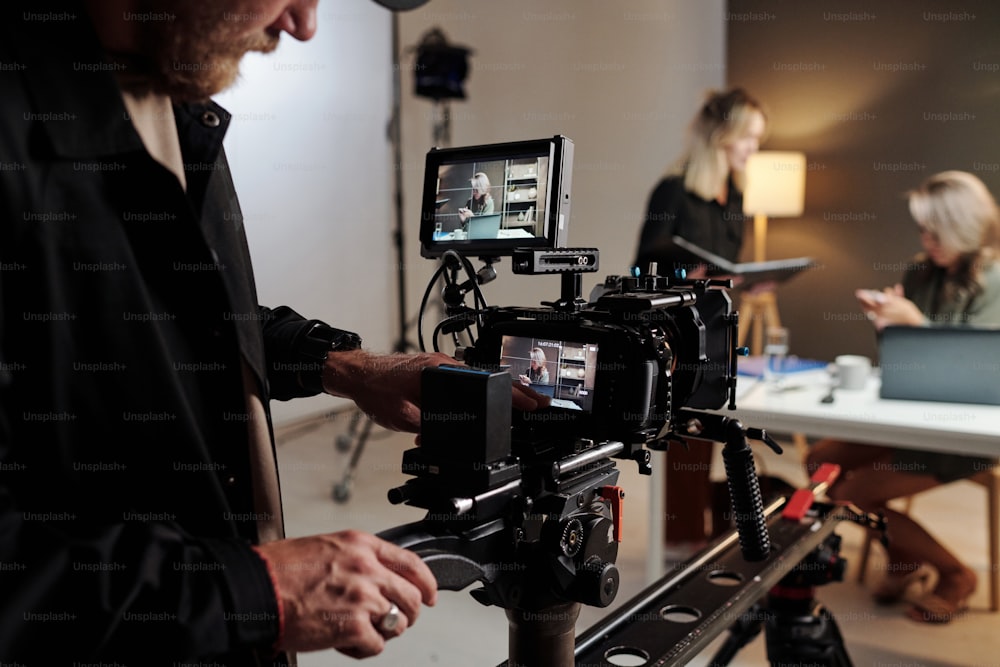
(443, 69)
(355, 438)
(798, 629)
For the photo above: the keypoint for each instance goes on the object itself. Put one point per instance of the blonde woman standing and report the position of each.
(701, 198)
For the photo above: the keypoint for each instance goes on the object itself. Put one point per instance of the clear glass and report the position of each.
(775, 351)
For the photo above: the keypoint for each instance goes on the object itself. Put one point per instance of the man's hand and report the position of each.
(387, 387)
(334, 589)
(526, 398)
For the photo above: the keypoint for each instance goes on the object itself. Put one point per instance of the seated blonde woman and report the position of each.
(954, 281)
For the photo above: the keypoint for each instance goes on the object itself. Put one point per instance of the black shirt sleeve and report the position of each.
(74, 591)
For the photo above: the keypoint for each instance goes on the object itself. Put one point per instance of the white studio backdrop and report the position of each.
(312, 166)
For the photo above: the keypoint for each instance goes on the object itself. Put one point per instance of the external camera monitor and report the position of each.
(488, 200)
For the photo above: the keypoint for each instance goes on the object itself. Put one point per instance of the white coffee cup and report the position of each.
(853, 371)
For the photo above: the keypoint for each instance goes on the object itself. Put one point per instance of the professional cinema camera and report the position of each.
(527, 503)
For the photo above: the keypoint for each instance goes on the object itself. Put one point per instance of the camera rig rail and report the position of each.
(677, 617)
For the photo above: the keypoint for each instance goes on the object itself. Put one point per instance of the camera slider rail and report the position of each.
(676, 618)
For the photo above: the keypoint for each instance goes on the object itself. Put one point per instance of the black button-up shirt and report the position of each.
(128, 310)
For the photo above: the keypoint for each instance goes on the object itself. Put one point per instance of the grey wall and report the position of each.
(879, 95)
(621, 79)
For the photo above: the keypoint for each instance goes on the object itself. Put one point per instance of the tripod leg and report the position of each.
(812, 638)
(842, 659)
(741, 633)
(342, 489)
(344, 441)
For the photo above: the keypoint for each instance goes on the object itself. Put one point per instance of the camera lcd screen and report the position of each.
(488, 200)
(564, 370)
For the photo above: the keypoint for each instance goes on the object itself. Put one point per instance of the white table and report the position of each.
(859, 416)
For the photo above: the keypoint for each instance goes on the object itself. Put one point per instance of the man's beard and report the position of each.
(193, 56)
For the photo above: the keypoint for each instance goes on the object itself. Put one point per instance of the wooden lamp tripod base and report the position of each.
(758, 311)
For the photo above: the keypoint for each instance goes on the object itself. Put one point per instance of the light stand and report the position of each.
(440, 72)
(355, 438)
(441, 132)
(395, 138)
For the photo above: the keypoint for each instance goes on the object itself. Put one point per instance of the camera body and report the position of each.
(532, 497)
(621, 366)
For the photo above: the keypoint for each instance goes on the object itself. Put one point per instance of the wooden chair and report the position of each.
(990, 480)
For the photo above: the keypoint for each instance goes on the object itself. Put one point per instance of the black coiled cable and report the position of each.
(748, 506)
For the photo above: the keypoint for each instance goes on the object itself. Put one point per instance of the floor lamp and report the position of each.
(775, 187)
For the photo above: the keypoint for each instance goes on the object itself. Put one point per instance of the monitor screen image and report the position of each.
(488, 200)
(513, 190)
(564, 370)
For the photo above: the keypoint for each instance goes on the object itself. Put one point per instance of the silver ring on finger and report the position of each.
(390, 621)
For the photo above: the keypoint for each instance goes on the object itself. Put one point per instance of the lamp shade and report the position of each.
(775, 184)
